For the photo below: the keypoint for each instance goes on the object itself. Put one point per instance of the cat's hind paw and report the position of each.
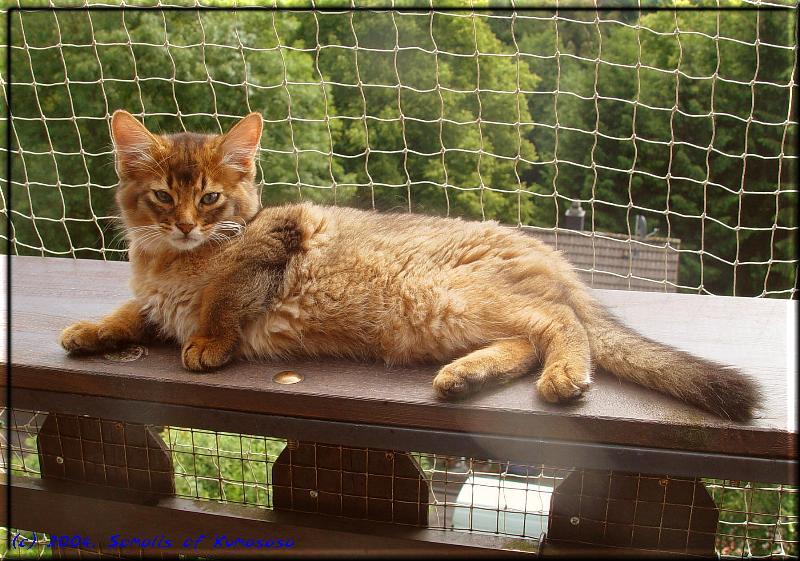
(453, 381)
(561, 381)
(206, 353)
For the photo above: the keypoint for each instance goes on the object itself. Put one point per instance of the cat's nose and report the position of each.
(185, 228)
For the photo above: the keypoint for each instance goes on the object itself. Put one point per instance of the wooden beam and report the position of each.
(754, 334)
(51, 507)
(515, 449)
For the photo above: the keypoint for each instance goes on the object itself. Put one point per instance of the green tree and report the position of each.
(482, 117)
(445, 141)
(673, 133)
(206, 68)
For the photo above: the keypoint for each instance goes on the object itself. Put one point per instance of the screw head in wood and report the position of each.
(574, 520)
(59, 460)
(663, 482)
(313, 494)
(287, 377)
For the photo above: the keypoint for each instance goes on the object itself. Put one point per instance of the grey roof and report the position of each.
(616, 259)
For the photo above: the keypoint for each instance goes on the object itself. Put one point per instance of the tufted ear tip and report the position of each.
(254, 116)
(239, 145)
(120, 113)
(132, 141)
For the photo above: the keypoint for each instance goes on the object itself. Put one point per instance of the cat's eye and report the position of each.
(163, 196)
(209, 198)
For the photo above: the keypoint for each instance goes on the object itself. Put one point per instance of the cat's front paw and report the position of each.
(206, 353)
(291, 235)
(86, 337)
(82, 337)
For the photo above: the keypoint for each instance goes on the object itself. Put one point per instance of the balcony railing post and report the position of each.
(106, 452)
(633, 511)
(375, 484)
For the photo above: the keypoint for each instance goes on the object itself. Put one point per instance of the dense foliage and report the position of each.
(494, 118)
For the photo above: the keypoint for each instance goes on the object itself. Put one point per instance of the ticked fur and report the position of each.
(225, 279)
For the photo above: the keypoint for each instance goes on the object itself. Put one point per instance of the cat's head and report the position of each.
(180, 191)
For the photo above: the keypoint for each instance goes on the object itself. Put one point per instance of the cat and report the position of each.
(226, 278)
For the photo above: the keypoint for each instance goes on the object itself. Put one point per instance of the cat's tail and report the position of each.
(723, 390)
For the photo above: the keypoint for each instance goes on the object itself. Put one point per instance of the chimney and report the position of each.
(573, 217)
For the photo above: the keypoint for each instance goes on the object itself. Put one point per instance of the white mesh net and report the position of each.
(673, 130)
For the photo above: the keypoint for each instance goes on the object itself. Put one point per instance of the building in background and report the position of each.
(618, 261)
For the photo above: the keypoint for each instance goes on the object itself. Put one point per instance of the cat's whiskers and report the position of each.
(143, 241)
(229, 227)
(118, 237)
(114, 222)
(147, 238)
(149, 227)
(217, 240)
(135, 232)
(231, 224)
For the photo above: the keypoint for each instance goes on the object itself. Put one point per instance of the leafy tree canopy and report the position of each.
(677, 116)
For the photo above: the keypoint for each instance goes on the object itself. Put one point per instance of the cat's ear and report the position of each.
(239, 146)
(133, 143)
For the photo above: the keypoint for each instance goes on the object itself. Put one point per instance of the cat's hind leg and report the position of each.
(497, 363)
(567, 359)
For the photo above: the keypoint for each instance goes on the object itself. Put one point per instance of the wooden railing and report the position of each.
(616, 430)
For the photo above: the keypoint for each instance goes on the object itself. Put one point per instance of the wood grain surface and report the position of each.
(757, 335)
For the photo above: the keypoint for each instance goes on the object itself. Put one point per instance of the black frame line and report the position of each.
(679, 457)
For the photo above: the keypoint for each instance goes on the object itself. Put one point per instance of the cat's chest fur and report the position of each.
(170, 306)
(169, 295)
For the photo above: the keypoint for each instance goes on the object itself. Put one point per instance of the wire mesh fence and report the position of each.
(480, 496)
(671, 131)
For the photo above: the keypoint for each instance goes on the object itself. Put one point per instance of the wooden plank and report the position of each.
(636, 511)
(520, 450)
(754, 334)
(50, 506)
(106, 452)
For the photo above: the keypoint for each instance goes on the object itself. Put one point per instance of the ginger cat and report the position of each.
(225, 278)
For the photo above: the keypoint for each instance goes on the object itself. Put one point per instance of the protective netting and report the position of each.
(673, 129)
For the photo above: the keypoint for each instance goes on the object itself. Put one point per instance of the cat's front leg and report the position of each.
(208, 352)
(127, 324)
(226, 303)
(242, 284)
